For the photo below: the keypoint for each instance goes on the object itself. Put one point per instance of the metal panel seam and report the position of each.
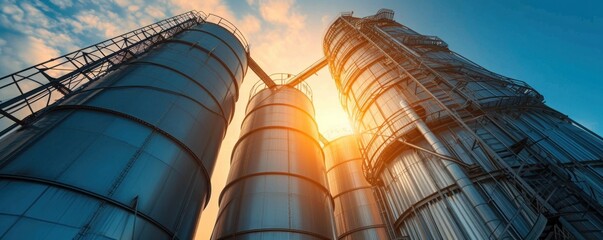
(149, 125)
(91, 194)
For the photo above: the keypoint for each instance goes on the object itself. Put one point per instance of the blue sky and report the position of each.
(552, 45)
(555, 46)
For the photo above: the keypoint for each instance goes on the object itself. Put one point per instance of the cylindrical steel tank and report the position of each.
(129, 157)
(277, 186)
(459, 151)
(356, 212)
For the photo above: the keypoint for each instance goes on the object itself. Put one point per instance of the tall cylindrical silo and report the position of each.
(357, 213)
(459, 151)
(129, 156)
(277, 187)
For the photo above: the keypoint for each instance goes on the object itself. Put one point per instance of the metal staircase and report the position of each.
(533, 180)
(568, 210)
(27, 93)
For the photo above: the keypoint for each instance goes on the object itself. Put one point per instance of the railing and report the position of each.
(514, 82)
(24, 94)
(382, 14)
(409, 39)
(281, 79)
(525, 95)
(212, 18)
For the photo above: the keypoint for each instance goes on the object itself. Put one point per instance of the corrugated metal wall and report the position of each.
(459, 151)
(131, 155)
(357, 214)
(277, 186)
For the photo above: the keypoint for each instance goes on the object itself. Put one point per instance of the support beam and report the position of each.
(322, 139)
(463, 164)
(260, 72)
(312, 69)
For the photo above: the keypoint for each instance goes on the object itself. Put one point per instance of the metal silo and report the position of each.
(357, 213)
(129, 155)
(458, 151)
(277, 187)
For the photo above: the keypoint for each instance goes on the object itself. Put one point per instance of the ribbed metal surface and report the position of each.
(459, 151)
(356, 213)
(129, 156)
(277, 186)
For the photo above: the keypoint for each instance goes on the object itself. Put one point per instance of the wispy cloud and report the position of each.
(35, 36)
(62, 3)
(250, 25)
(53, 30)
(209, 6)
(282, 43)
(93, 21)
(38, 51)
(155, 12)
(277, 31)
(11, 11)
(281, 13)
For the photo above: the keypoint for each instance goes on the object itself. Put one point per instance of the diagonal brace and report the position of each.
(312, 69)
(260, 72)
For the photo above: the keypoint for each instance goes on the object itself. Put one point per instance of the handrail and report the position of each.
(27, 92)
(212, 18)
(280, 79)
(24, 94)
